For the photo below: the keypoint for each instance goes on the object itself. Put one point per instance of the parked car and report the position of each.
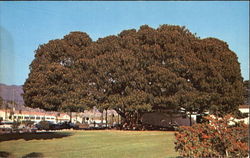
(6, 124)
(69, 125)
(44, 125)
(6, 127)
(47, 125)
(26, 129)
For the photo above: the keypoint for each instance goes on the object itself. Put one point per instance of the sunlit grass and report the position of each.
(97, 144)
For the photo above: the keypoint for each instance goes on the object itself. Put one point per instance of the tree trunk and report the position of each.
(190, 119)
(118, 120)
(106, 118)
(76, 116)
(101, 117)
(112, 120)
(123, 117)
(70, 114)
(137, 117)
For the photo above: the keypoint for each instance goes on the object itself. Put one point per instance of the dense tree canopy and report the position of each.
(136, 71)
(247, 92)
(53, 82)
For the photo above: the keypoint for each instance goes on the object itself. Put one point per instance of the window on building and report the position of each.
(38, 118)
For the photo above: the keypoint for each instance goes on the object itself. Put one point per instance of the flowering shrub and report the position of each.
(215, 138)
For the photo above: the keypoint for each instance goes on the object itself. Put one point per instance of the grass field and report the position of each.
(91, 144)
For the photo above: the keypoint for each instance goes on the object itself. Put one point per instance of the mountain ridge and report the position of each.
(12, 93)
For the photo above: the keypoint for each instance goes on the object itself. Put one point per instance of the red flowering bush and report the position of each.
(216, 138)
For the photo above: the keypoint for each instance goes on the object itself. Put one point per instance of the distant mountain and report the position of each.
(12, 93)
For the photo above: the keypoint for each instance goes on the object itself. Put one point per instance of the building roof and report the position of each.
(244, 106)
(28, 112)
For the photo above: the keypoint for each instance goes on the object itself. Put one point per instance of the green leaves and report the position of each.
(137, 70)
(54, 81)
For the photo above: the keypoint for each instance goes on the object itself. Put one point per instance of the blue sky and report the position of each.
(26, 25)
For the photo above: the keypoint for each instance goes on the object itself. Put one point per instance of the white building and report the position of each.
(12, 115)
(245, 110)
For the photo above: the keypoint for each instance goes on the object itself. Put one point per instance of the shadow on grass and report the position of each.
(33, 136)
(5, 154)
(33, 154)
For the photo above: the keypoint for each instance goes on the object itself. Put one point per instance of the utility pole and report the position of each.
(13, 105)
(13, 97)
(6, 108)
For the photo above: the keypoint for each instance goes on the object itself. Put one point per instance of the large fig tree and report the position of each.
(162, 69)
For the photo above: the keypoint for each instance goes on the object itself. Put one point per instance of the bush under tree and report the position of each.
(218, 137)
(44, 125)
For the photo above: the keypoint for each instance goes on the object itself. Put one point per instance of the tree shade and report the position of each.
(137, 71)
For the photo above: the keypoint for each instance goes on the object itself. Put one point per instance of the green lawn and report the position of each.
(91, 144)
